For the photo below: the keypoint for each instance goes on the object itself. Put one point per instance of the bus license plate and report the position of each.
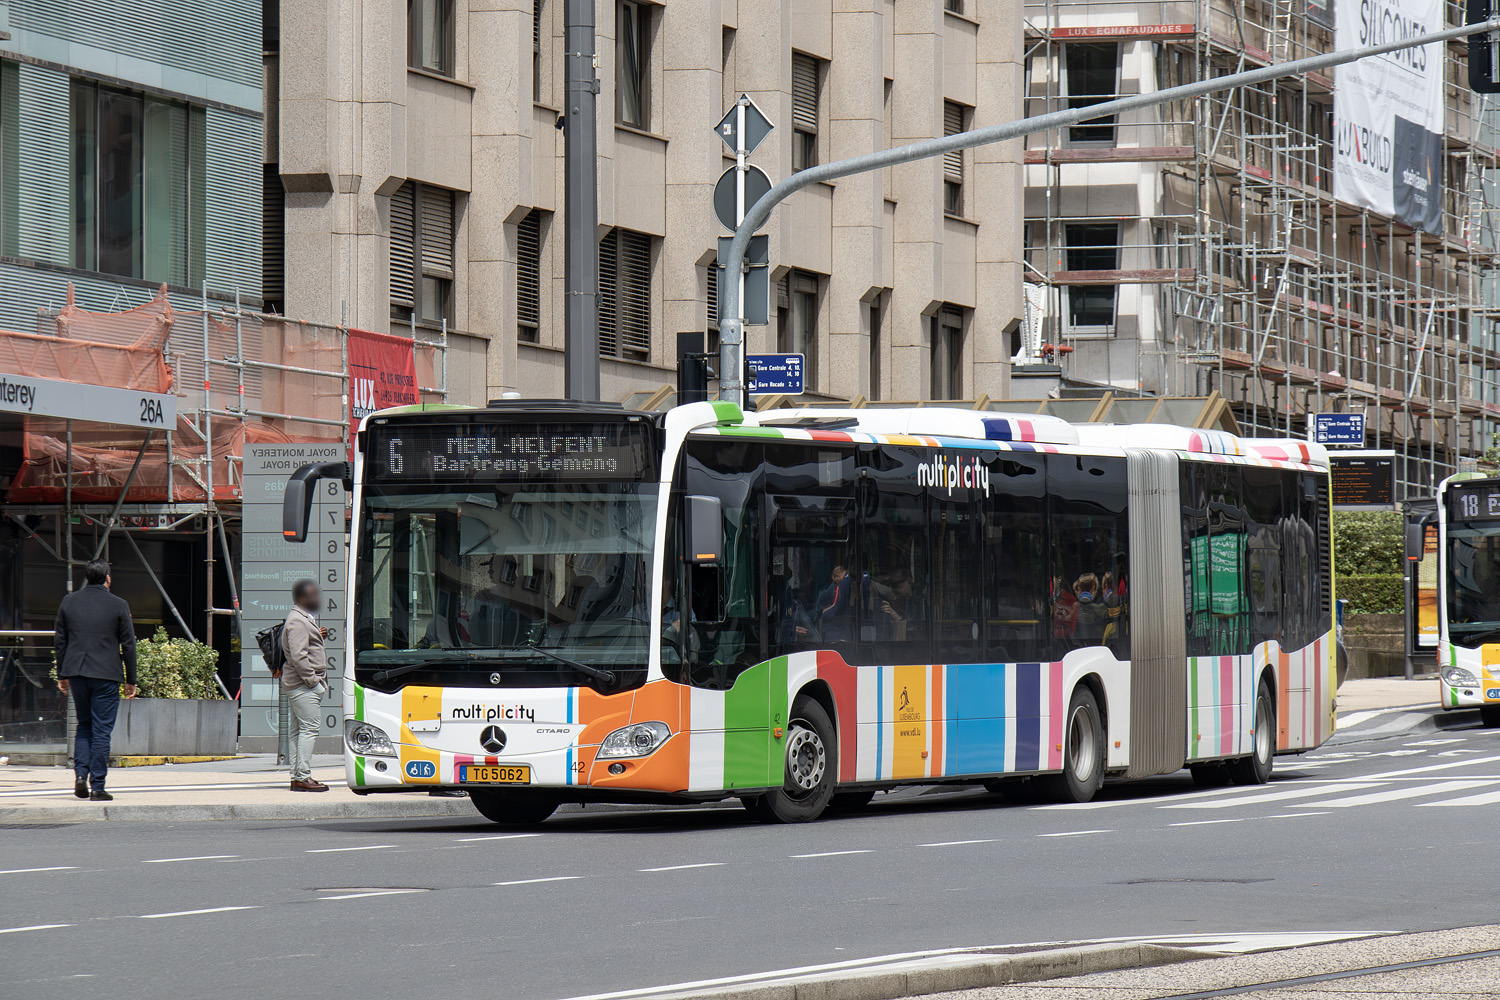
(503, 774)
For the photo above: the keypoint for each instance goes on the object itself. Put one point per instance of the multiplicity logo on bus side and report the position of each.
(951, 474)
(489, 713)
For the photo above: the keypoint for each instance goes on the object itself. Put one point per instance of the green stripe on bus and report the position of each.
(359, 703)
(748, 707)
(359, 770)
(756, 432)
(727, 412)
(1192, 707)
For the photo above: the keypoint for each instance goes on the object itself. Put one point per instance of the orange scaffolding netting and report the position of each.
(239, 377)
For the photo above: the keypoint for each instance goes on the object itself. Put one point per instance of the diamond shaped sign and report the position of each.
(757, 127)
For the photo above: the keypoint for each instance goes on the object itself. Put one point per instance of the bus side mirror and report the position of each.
(705, 530)
(1416, 536)
(296, 502)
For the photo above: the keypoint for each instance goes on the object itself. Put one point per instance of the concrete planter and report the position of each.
(175, 726)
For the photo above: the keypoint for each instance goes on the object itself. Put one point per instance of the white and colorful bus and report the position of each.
(1468, 513)
(576, 603)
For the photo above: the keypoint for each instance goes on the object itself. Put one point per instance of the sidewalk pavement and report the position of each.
(253, 787)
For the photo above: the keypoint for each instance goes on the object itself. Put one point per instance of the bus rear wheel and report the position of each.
(512, 808)
(811, 768)
(1256, 768)
(1083, 752)
(1489, 716)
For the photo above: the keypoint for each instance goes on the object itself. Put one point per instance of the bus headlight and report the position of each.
(1459, 677)
(638, 740)
(366, 739)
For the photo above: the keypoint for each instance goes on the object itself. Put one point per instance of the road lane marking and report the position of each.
(534, 881)
(1111, 803)
(336, 850)
(377, 892)
(1074, 833)
(678, 868)
(957, 843)
(1259, 797)
(1482, 799)
(117, 789)
(498, 836)
(1431, 767)
(54, 868)
(33, 927)
(1408, 792)
(1211, 822)
(1323, 812)
(828, 854)
(194, 913)
(201, 857)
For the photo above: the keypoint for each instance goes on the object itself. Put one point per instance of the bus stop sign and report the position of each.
(780, 373)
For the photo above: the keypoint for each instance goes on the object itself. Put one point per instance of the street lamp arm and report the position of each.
(731, 351)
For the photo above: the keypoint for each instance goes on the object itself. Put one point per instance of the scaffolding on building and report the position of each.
(1234, 267)
(240, 376)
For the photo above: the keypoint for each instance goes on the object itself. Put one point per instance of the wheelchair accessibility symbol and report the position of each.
(420, 768)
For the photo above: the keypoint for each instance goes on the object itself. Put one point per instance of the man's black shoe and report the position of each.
(100, 795)
(81, 788)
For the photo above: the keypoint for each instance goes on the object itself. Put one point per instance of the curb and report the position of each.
(948, 973)
(383, 808)
(147, 760)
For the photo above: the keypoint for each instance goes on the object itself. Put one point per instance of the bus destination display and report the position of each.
(1480, 502)
(508, 452)
(1363, 480)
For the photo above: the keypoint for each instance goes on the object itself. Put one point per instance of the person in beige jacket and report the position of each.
(305, 678)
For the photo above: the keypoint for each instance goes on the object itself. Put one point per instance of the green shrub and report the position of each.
(1367, 543)
(1371, 593)
(172, 668)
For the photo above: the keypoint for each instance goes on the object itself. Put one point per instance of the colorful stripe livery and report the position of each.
(1221, 699)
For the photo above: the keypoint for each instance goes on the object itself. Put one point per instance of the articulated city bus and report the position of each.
(1468, 513)
(576, 603)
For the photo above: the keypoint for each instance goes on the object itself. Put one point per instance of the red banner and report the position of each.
(382, 373)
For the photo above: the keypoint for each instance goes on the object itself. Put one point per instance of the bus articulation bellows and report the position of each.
(557, 602)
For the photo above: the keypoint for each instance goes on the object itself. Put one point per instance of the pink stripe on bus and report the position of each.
(1056, 714)
(1226, 705)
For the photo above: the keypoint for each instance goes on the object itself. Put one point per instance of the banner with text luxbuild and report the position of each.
(1388, 112)
(382, 373)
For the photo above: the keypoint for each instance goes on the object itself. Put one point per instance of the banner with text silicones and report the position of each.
(1388, 112)
(382, 373)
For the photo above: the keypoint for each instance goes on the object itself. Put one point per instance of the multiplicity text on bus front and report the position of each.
(559, 602)
(1468, 515)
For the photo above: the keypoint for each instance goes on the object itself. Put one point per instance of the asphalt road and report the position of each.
(1386, 833)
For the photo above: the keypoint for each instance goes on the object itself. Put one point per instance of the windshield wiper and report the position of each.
(407, 668)
(605, 677)
(1479, 635)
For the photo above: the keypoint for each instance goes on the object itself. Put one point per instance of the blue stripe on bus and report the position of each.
(571, 695)
(1028, 717)
(879, 717)
(975, 697)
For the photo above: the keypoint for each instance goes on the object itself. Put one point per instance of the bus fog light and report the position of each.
(1459, 677)
(638, 740)
(380, 765)
(366, 739)
(617, 768)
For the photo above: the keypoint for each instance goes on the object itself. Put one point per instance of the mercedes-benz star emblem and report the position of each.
(492, 739)
(494, 678)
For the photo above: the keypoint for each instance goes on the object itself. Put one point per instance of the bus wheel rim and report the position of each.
(806, 758)
(1081, 749)
(1262, 731)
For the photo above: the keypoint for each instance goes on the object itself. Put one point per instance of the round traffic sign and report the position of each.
(756, 185)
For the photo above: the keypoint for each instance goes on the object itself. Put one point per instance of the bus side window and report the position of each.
(1265, 500)
(1015, 551)
(894, 578)
(1090, 545)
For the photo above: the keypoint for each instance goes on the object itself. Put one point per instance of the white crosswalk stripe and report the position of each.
(1292, 793)
(1393, 794)
(1482, 799)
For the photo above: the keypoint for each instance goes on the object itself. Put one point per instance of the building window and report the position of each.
(711, 307)
(877, 320)
(272, 240)
(625, 260)
(632, 63)
(957, 6)
(422, 225)
(947, 326)
(1091, 73)
(1092, 246)
(529, 277)
(807, 80)
(956, 119)
(138, 171)
(797, 320)
(429, 35)
(536, 50)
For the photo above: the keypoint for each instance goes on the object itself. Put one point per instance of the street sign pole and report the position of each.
(740, 154)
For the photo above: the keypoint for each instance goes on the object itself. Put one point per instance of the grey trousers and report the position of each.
(304, 702)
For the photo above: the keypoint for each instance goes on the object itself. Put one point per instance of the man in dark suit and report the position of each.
(94, 637)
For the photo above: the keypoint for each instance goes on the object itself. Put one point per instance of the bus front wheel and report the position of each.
(1489, 716)
(811, 768)
(1256, 768)
(1083, 752)
(512, 808)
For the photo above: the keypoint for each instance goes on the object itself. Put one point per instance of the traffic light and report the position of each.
(1484, 50)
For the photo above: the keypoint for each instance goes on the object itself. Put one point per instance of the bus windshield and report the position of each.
(1473, 583)
(478, 584)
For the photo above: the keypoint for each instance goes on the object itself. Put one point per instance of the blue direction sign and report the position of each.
(1338, 429)
(780, 373)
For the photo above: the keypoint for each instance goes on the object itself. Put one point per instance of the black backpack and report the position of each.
(269, 641)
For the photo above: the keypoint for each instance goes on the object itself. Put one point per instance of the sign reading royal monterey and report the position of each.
(45, 397)
(1388, 112)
